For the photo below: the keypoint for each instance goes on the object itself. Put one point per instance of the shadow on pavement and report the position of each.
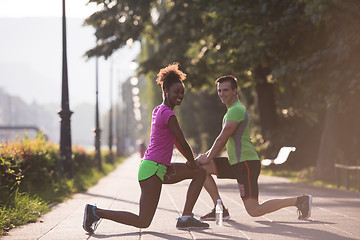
(286, 229)
(118, 236)
(212, 236)
(215, 236)
(303, 222)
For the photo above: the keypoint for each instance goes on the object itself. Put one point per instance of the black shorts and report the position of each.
(246, 173)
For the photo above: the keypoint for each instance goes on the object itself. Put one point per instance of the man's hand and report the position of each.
(202, 159)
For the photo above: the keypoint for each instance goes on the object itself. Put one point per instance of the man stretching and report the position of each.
(243, 163)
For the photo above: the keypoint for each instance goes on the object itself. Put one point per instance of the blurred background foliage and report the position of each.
(297, 63)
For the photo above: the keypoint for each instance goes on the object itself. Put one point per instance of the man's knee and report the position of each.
(253, 213)
(252, 208)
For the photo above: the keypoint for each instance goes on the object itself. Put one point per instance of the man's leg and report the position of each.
(209, 184)
(248, 173)
(211, 187)
(255, 209)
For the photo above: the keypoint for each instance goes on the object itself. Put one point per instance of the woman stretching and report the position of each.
(156, 167)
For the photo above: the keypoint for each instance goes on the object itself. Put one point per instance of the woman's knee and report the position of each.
(144, 223)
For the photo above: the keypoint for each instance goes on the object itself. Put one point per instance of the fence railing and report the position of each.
(347, 168)
(21, 128)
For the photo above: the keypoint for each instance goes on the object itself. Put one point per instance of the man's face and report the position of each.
(226, 93)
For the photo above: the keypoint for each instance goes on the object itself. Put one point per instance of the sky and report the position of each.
(38, 55)
(45, 8)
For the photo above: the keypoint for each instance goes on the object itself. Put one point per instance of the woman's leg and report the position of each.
(150, 194)
(178, 172)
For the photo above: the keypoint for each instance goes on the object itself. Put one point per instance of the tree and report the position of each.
(335, 65)
(118, 23)
(300, 56)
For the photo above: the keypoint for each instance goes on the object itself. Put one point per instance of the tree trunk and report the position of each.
(339, 139)
(327, 150)
(266, 101)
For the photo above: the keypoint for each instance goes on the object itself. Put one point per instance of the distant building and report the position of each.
(15, 112)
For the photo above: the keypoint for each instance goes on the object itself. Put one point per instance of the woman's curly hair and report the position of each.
(169, 75)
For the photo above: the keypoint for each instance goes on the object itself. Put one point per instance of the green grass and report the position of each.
(21, 209)
(304, 176)
(58, 192)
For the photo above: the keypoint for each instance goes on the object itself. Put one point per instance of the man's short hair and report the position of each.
(228, 78)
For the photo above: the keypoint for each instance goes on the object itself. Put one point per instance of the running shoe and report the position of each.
(303, 204)
(211, 215)
(191, 222)
(91, 220)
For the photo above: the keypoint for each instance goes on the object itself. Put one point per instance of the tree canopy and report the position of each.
(308, 45)
(301, 56)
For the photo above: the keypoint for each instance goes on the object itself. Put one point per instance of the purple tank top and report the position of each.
(161, 139)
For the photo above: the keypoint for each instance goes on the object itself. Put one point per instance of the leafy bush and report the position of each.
(29, 179)
(27, 164)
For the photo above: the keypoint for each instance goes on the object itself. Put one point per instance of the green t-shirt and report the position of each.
(239, 146)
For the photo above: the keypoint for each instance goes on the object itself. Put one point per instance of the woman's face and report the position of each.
(175, 94)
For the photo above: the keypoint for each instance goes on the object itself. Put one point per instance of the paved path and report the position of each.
(335, 215)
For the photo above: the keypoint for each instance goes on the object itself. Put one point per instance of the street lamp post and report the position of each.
(117, 125)
(97, 128)
(111, 157)
(65, 113)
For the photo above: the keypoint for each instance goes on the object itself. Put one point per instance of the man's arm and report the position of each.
(220, 142)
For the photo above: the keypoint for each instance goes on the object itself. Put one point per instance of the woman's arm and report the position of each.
(181, 142)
